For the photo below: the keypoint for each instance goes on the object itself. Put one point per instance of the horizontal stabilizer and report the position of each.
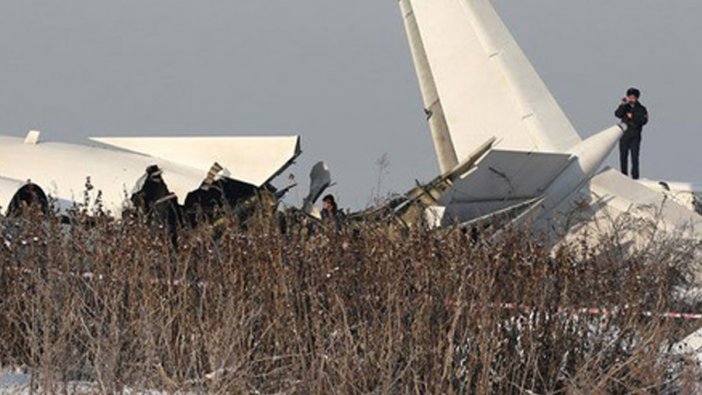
(254, 160)
(508, 175)
(509, 215)
(502, 179)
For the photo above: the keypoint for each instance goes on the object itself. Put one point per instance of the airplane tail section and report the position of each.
(443, 145)
(491, 181)
(502, 179)
(477, 83)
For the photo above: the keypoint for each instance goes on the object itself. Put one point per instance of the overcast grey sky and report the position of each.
(338, 73)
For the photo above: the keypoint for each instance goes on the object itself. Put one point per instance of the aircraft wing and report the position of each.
(477, 83)
(610, 195)
(621, 194)
(254, 160)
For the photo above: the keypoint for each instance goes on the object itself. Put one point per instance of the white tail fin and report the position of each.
(445, 152)
(478, 83)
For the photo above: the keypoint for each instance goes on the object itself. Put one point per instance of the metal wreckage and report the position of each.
(169, 193)
(507, 153)
(141, 177)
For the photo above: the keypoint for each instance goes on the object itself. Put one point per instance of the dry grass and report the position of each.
(361, 311)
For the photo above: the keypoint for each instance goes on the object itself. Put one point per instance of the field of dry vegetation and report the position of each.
(367, 309)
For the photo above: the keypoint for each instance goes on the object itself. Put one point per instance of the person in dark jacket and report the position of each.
(635, 116)
(158, 203)
(330, 212)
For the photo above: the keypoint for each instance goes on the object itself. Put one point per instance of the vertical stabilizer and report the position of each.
(477, 83)
(445, 152)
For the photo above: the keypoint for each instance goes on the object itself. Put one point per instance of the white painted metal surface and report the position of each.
(8, 188)
(615, 193)
(320, 180)
(32, 137)
(443, 145)
(502, 179)
(508, 175)
(610, 197)
(684, 193)
(255, 160)
(477, 83)
(62, 170)
(467, 59)
(590, 154)
(691, 346)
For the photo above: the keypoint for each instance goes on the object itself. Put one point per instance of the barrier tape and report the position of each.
(592, 311)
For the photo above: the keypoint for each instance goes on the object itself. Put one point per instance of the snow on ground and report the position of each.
(15, 382)
(12, 382)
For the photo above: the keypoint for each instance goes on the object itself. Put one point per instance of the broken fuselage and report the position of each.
(109, 178)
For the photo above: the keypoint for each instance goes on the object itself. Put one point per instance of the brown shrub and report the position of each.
(364, 310)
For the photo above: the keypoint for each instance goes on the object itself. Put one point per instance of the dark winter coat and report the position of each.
(636, 121)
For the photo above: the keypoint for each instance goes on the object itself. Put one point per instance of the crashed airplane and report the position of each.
(504, 145)
(505, 148)
(507, 152)
(182, 171)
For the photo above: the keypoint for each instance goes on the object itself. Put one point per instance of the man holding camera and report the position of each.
(635, 116)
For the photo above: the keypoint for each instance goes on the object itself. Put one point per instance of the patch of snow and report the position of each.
(14, 382)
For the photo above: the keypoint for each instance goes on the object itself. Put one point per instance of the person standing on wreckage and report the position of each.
(635, 116)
